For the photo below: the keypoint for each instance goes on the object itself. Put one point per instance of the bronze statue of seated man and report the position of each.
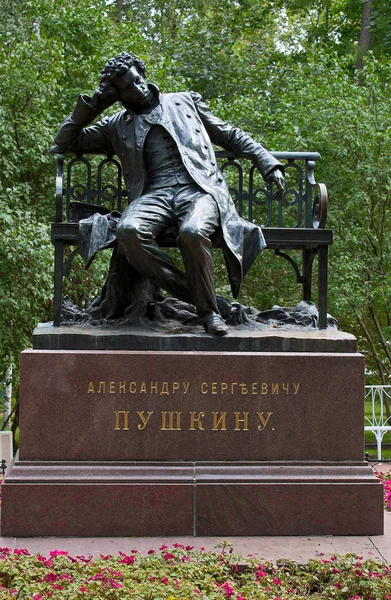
(164, 143)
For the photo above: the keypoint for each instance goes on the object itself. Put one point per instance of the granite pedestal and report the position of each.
(155, 442)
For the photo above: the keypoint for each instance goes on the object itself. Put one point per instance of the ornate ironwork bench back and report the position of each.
(295, 221)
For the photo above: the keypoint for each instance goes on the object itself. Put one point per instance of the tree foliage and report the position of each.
(285, 71)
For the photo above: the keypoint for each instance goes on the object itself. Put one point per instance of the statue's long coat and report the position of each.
(194, 128)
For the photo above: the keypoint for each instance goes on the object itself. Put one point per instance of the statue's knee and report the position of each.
(189, 236)
(127, 233)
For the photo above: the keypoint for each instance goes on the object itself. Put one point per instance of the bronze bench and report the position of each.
(295, 222)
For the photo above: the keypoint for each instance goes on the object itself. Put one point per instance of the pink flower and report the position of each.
(98, 577)
(83, 589)
(56, 587)
(163, 547)
(338, 585)
(151, 551)
(176, 545)
(51, 577)
(115, 584)
(189, 548)
(54, 553)
(185, 558)
(259, 574)
(276, 581)
(152, 578)
(41, 558)
(228, 589)
(37, 597)
(127, 560)
(164, 580)
(168, 556)
(21, 552)
(336, 571)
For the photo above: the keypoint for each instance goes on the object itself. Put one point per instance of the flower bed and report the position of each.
(386, 479)
(183, 573)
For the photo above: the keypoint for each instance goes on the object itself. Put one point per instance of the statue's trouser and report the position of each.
(197, 216)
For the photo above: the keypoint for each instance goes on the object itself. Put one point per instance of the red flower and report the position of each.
(259, 574)
(168, 556)
(127, 560)
(57, 553)
(228, 589)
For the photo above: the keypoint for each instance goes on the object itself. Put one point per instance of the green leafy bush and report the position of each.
(183, 573)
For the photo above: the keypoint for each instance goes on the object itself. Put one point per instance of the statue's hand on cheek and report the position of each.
(104, 97)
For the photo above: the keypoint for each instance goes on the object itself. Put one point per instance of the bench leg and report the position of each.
(322, 285)
(58, 279)
(308, 259)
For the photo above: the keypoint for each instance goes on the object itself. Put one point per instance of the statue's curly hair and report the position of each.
(118, 66)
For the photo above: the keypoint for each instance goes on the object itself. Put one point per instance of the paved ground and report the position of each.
(297, 548)
(271, 548)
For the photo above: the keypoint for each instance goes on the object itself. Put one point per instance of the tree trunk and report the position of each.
(8, 392)
(120, 10)
(364, 40)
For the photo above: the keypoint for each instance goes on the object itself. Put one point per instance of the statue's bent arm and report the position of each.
(234, 139)
(75, 136)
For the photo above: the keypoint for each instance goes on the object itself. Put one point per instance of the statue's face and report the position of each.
(132, 89)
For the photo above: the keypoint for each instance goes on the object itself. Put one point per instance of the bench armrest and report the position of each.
(60, 189)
